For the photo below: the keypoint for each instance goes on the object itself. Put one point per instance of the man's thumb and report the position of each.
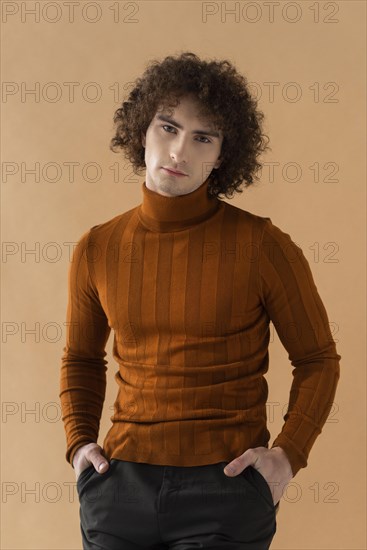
(102, 466)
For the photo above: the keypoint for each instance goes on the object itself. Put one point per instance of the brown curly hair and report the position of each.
(224, 100)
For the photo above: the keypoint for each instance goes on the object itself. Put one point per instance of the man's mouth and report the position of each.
(173, 172)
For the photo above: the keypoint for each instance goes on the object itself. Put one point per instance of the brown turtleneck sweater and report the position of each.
(189, 284)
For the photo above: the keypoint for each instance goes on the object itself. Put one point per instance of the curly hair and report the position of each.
(225, 101)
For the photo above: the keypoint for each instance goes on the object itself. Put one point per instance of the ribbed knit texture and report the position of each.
(188, 285)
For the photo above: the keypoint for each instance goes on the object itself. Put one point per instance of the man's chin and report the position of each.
(167, 186)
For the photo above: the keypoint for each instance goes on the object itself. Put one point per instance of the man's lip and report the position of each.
(174, 171)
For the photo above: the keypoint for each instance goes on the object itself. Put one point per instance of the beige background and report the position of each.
(323, 133)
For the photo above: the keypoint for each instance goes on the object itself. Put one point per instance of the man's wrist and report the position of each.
(78, 452)
(281, 452)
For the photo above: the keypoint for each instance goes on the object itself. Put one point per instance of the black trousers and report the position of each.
(136, 506)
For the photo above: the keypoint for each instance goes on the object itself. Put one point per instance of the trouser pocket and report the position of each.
(84, 472)
(83, 478)
(254, 477)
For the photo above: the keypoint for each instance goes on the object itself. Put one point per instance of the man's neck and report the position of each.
(160, 213)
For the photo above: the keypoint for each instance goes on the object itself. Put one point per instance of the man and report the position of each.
(189, 284)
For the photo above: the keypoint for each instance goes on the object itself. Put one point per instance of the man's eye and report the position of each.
(166, 126)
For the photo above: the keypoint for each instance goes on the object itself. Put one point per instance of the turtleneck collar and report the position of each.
(163, 214)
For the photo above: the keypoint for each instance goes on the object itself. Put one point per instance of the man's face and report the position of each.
(183, 142)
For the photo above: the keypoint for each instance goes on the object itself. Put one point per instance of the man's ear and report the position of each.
(218, 163)
(143, 139)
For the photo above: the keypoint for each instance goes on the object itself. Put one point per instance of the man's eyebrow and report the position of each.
(174, 123)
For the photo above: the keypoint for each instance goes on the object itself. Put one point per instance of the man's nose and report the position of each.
(179, 151)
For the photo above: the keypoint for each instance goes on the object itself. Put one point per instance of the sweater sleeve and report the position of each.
(290, 297)
(83, 368)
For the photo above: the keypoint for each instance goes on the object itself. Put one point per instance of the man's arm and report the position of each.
(291, 299)
(83, 370)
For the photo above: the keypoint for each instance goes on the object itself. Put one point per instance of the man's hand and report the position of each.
(273, 465)
(90, 454)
